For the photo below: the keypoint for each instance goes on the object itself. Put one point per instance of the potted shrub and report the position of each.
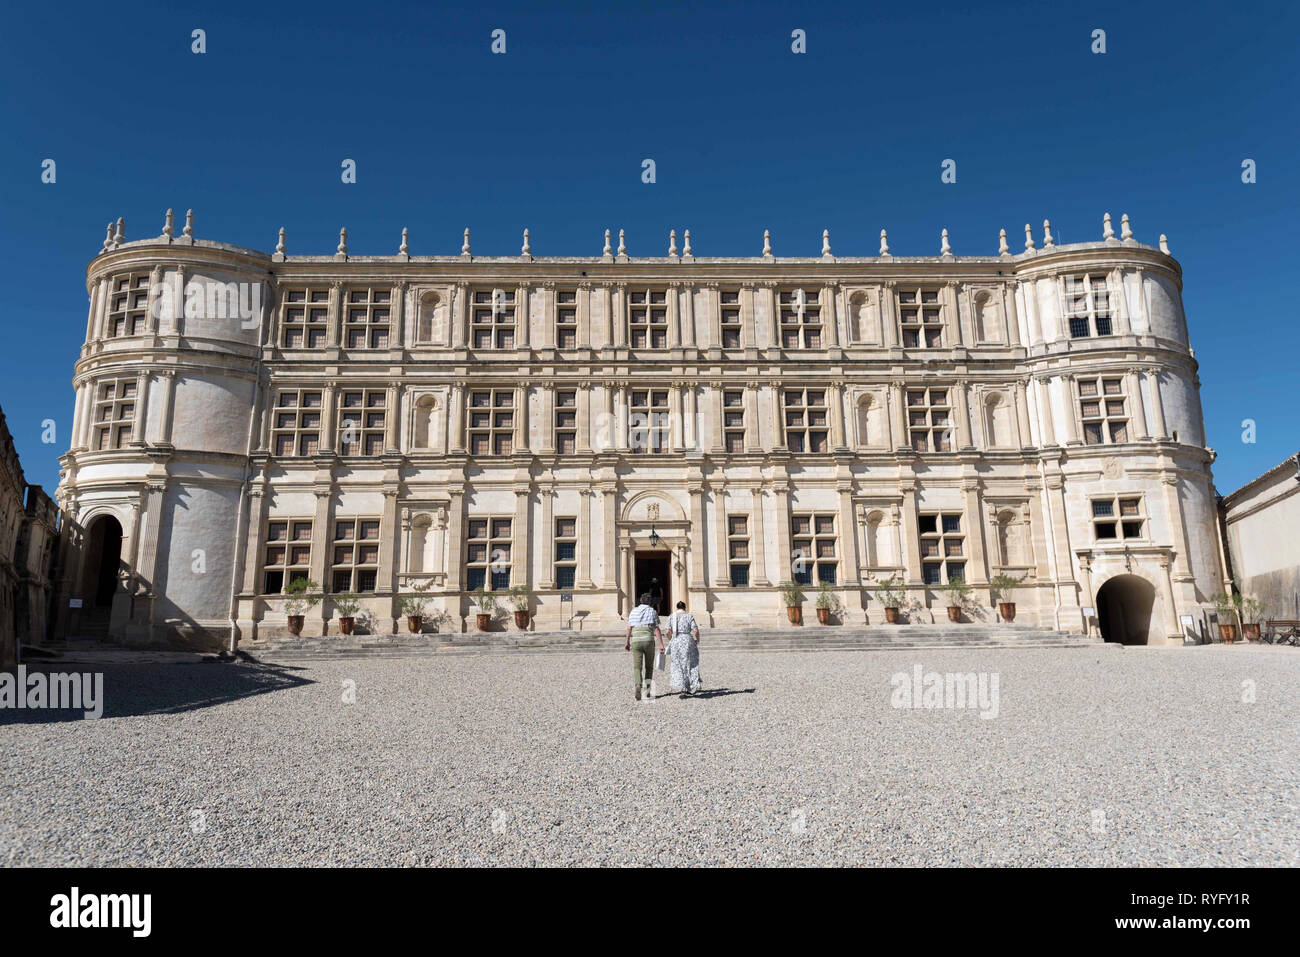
(793, 597)
(892, 596)
(1252, 610)
(487, 608)
(520, 597)
(1001, 586)
(414, 605)
(828, 603)
(1227, 607)
(346, 605)
(958, 593)
(301, 595)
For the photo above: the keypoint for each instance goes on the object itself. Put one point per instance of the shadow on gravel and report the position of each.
(140, 689)
(721, 692)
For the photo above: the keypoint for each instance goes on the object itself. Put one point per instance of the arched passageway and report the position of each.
(103, 556)
(1124, 607)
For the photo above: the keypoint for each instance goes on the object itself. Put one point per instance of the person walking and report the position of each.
(684, 649)
(642, 632)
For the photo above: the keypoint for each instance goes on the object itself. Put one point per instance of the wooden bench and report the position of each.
(1281, 631)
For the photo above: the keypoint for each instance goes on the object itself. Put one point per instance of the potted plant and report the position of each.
(958, 593)
(793, 597)
(1227, 607)
(301, 595)
(828, 603)
(414, 605)
(487, 607)
(1001, 587)
(892, 596)
(520, 597)
(347, 605)
(1252, 609)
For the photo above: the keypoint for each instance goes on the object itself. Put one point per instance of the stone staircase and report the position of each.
(814, 638)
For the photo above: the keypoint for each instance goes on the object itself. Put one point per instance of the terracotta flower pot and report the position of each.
(1007, 609)
(295, 625)
(795, 614)
(521, 620)
(1250, 631)
(891, 615)
(824, 616)
(1228, 633)
(954, 612)
(484, 621)
(414, 623)
(347, 624)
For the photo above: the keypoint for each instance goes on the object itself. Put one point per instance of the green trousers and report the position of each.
(643, 653)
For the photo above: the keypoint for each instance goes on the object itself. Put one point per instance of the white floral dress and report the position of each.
(684, 653)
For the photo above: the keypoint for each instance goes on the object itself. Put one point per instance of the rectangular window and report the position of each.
(129, 305)
(304, 317)
(566, 553)
(361, 423)
(801, 319)
(738, 549)
(491, 422)
(730, 302)
(566, 422)
(806, 420)
(1121, 518)
(114, 413)
(920, 318)
(647, 424)
(566, 319)
(648, 319)
(288, 554)
(296, 422)
(1103, 409)
(366, 318)
(493, 322)
(354, 559)
(812, 543)
(929, 420)
(1087, 306)
(943, 548)
(733, 421)
(487, 554)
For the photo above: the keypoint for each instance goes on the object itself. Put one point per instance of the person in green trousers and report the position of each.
(642, 632)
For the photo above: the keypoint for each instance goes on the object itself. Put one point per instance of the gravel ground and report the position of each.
(1096, 757)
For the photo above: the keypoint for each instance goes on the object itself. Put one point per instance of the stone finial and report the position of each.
(1107, 233)
(672, 243)
(884, 244)
(622, 243)
(1125, 231)
(279, 243)
(188, 231)
(607, 251)
(767, 243)
(1164, 244)
(527, 249)
(169, 225)
(119, 235)
(1003, 248)
(1048, 241)
(686, 248)
(826, 244)
(1029, 238)
(108, 238)
(343, 242)
(944, 248)
(405, 248)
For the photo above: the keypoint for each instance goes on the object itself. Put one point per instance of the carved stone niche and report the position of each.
(863, 315)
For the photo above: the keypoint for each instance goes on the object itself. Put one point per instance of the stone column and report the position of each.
(523, 319)
(898, 397)
(1171, 606)
(1022, 415)
(975, 518)
(1157, 404)
(1071, 410)
(141, 408)
(676, 425)
(1133, 386)
(546, 399)
(334, 335)
(950, 306)
(721, 569)
(781, 499)
(835, 396)
(619, 321)
(328, 432)
(520, 440)
(621, 418)
(583, 438)
(778, 418)
(1045, 414)
(889, 315)
(752, 443)
(696, 535)
(456, 437)
(830, 317)
(460, 316)
(962, 410)
(455, 539)
(585, 544)
(758, 541)
(748, 316)
(1011, 315)
(1118, 302)
(609, 533)
(323, 535)
(848, 536)
(390, 547)
(774, 317)
(688, 315)
(397, 317)
(691, 436)
(715, 432)
(392, 418)
(256, 531)
(82, 413)
(674, 315)
(607, 313)
(912, 560)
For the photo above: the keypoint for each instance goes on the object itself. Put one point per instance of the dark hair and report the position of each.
(681, 605)
(646, 599)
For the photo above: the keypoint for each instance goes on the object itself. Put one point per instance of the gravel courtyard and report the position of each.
(1096, 757)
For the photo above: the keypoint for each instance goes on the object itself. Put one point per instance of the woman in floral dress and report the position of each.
(684, 651)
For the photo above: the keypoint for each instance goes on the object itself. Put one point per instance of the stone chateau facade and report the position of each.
(583, 425)
(29, 534)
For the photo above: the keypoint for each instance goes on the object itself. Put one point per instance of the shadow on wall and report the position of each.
(1124, 605)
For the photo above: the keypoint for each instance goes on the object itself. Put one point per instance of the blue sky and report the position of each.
(746, 135)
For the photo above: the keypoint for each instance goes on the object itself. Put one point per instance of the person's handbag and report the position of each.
(661, 661)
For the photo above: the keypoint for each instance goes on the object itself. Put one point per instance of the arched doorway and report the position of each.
(103, 557)
(1124, 607)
